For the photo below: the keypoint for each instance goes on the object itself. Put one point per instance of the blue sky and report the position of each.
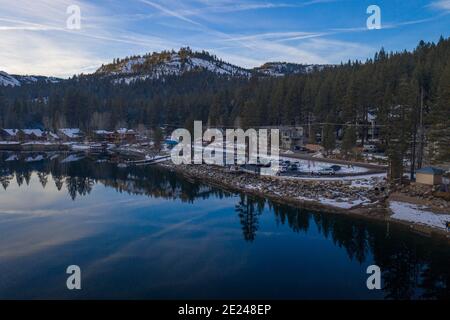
(34, 38)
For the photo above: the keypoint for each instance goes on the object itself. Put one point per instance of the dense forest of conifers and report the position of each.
(408, 92)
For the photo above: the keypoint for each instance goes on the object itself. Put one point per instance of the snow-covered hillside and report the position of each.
(280, 69)
(7, 80)
(158, 65)
(17, 81)
(171, 63)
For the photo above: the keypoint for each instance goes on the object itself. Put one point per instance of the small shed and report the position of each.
(429, 176)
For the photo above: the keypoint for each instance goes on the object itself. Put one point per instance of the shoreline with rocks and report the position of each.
(367, 197)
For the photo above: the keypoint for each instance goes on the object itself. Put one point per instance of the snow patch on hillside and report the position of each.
(16, 80)
(142, 68)
(7, 80)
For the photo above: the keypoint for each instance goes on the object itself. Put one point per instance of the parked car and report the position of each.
(326, 172)
(370, 148)
(300, 149)
(283, 169)
(336, 168)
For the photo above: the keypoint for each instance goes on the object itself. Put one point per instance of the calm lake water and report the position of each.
(143, 233)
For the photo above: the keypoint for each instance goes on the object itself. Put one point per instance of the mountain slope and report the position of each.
(7, 80)
(17, 81)
(170, 63)
(280, 69)
(158, 65)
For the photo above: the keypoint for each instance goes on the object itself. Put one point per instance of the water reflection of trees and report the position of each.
(80, 177)
(412, 266)
(249, 209)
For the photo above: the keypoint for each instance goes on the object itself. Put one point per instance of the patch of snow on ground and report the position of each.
(316, 166)
(367, 183)
(338, 203)
(417, 214)
(344, 203)
(128, 67)
(347, 178)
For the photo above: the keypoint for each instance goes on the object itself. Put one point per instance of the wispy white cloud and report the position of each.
(334, 51)
(169, 12)
(394, 25)
(34, 38)
(26, 52)
(226, 6)
(253, 49)
(210, 10)
(278, 36)
(441, 5)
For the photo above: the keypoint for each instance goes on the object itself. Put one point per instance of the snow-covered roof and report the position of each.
(36, 132)
(11, 132)
(102, 132)
(52, 134)
(124, 130)
(71, 132)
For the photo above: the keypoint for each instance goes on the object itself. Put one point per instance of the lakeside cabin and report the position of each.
(51, 136)
(429, 176)
(70, 134)
(33, 135)
(291, 137)
(104, 135)
(9, 134)
(116, 136)
(124, 134)
(22, 135)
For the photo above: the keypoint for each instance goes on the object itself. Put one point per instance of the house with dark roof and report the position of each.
(125, 135)
(70, 134)
(429, 176)
(103, 135)
(33, 134)
(9, 134)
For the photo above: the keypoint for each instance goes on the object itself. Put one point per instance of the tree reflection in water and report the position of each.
(412, 266)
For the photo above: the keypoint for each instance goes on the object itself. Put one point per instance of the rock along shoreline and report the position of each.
(315, 195)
